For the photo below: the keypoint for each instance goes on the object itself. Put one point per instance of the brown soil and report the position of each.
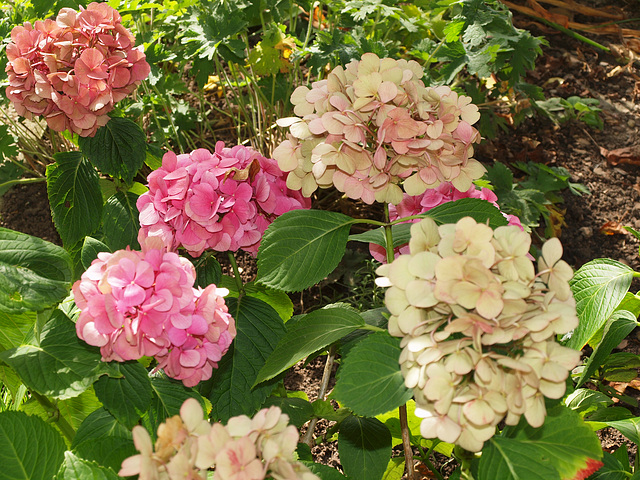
(568, 67)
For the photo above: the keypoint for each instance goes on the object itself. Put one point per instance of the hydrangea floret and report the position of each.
(418, 204)
(245, 449)
(478, 327)
(72, 70)
(222, 201)
(143, 303)
(374, 124)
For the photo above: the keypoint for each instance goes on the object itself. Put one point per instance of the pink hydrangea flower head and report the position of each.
(73, 70)
(143, 303)
(418, 204)
(221, 200)
(372, 126)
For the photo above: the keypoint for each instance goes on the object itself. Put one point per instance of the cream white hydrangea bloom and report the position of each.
(478, 327)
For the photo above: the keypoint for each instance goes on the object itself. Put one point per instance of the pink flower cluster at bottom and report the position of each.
(136, 304)
(415, 205)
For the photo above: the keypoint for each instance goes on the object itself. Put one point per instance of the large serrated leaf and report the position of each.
(76, 468)
(16, 329)
(559, 449)
(364, 446)
(120, 222)
(480, 210)
(312, 332)
(90, 250)
(127, 397)
(102, 439)
(168, 397)
(34, 274)
(30, 449)
(276, 299)
(74, 194)
(617, 328)
(301, 247)
(61, 366)
(369, 380)
(117, 149)
(598, 288)
(230, 389)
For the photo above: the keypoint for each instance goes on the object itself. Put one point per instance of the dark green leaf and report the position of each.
(126, 397)
(616, 329)
(74, 195)
(611, 470)
(34, 274)
(208, 270)
(629, 427)
(90, 250)
(299, 410)
(120, 221)
(16, 329)
(29, 448)
(117, 149)
(324, 472)
(480, 210)
(598, 287)
(259, 329)
(314, 331)
(369, 380)
(364, 446)
(61, 366)
(302, 247)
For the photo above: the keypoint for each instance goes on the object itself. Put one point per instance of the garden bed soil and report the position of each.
(590, 227)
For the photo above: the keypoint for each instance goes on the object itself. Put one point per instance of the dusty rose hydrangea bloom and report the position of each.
(417, 204)
(478, 327)
(73, 69)
(245, 449)
(373, 125)
(136, 304)
(222, 201)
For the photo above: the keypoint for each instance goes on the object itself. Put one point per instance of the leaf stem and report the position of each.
(322, 391)
(54, 415)
(236, 273)
(402, 410)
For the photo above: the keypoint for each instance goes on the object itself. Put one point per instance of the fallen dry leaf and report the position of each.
(628, 155)
(613, 228)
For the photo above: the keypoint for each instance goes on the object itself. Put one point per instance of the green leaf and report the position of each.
(74, 410)
(401, 234)
(208, 270)
(369, 380)
(584, 400)
(259, 328)
(74, 196)
(480, 210)
(629, 427)
(16, 329)
(276, 299)
(127, 397)
(30, 449)
(559, 449)
(34, 274)
(301, 247)
(299, 410)
(364, 446)
(75, 468)
(61, 366)
(168, 396)
(102, 439)
(616, 329)
(395, 469)
(314, 331)
(630, 302)
(120, 221)
(90, 250)
(598, 287)
(324, 471)
(117, 149)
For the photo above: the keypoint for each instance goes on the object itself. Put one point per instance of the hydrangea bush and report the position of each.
(221, 201)
(478, 327)
(143, 304)
(72, 70)
(373, 125)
